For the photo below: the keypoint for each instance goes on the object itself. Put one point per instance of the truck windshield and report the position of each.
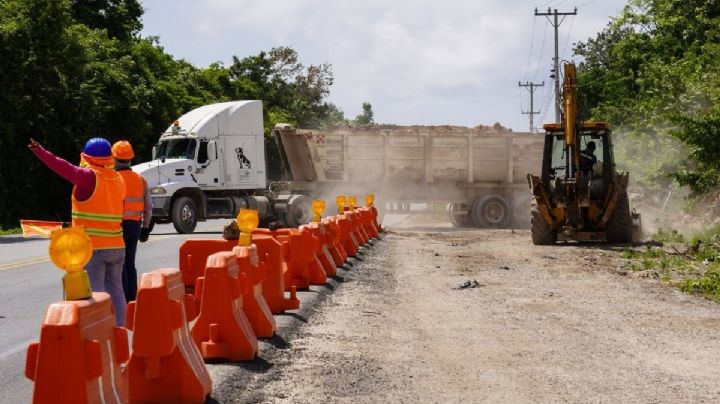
(183, 148)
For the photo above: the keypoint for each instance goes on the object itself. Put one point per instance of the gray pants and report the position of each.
(105, 271)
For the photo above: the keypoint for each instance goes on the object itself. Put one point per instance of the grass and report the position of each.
(694, 268)
(7, 232)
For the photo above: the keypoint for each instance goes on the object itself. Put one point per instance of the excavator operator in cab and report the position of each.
(588, 159)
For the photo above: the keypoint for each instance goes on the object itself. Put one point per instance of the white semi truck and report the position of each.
(210, 163)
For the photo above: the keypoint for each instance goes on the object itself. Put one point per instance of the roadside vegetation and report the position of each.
(692, 264)
(7, 232)
(72, 70)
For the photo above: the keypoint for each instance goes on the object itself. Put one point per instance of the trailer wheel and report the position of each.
(184, 215)
(619, 228)
(542, 233)
(457, 219)
(490, 211)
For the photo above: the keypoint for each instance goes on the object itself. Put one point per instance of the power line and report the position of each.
(542, 51)
(532, 42)
(531, 86)
(556, 61)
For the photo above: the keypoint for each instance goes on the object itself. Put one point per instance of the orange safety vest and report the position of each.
(134, 195)
(101, 214)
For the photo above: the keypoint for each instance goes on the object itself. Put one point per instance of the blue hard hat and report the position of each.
(97, 147)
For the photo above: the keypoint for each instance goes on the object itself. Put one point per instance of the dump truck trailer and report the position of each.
(476, 174)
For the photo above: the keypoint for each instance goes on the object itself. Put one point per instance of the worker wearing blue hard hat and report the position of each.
(97, 204)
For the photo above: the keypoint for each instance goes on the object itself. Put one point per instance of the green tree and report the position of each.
(71, 70)
(654, 72)
(366, 117)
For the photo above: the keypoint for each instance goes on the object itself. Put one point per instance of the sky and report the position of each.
(418, 62)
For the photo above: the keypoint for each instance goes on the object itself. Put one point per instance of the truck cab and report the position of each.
(209, 163)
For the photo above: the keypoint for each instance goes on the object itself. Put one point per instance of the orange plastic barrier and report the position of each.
(359, 230)
(375, 219)
(193, 257)
(271, 252)
(78, 357)
(222, 331)
(304, 269)
(337, 251)
(165, 365)
(369, 222)
(347, 238)
(254, 305)
(322, 253)
(296, 257)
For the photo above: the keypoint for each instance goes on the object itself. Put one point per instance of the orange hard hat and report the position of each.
(122, 150)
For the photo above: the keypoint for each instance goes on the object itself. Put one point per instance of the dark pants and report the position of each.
(131, 234)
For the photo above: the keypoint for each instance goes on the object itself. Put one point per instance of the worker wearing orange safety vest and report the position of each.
(137, 213)
(97, 204)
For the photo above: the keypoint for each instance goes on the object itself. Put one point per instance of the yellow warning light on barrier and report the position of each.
(70, 249)
(247, 221)
(351, 201)
(369, 200)
(340, 202)
(318, 207)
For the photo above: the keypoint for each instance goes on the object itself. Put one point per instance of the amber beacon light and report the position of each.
(247, 221)
(340, 202)
(318, 207)
(70, 249)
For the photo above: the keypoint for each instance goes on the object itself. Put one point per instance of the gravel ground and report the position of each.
(533, 324)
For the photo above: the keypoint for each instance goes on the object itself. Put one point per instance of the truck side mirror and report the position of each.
(154, 152)
(212, 150)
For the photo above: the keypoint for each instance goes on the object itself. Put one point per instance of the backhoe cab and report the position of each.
(579, 195)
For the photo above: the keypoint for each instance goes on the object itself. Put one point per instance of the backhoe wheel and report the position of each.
(542, 233)
(619, 228)
(457, 219)
(491, 211)
(184, 215)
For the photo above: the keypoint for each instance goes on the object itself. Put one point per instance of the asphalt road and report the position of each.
(30, 282)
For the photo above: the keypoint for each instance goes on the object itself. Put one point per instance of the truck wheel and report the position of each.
(491, 211)
(299, 211)
(619, 228)
(184, 215)
(457, 219)
(542, 233)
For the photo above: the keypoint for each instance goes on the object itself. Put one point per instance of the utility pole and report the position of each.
(556, 61)
(532, 111)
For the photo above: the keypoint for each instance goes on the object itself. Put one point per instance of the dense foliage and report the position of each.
(74, 69)
(653, 72)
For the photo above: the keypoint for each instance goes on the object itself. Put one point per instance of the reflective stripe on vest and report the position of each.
(101, 214)
(134, 195)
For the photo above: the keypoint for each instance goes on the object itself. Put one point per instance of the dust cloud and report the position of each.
(650, 158)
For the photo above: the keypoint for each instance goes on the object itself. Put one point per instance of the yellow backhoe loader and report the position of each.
(579, 195)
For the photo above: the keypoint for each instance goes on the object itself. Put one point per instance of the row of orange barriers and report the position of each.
(213, 308)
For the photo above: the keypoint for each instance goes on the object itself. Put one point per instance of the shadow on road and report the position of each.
(19, 239)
